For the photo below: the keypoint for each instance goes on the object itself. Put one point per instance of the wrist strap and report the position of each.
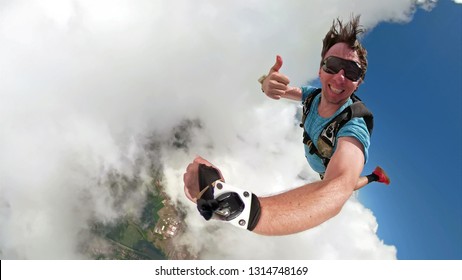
(255, 211)
(225, 202)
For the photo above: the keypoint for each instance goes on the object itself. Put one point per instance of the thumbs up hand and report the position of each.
(275, 84)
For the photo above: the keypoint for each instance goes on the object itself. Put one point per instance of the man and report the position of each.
(342, 71)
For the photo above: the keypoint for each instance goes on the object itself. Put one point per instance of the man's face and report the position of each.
(337, 88)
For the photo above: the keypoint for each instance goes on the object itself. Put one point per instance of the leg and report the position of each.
(378, 175)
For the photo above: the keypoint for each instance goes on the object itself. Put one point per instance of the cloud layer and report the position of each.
(85, 86)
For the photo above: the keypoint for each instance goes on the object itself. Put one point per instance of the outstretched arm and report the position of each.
(312, 204)
(306, 206)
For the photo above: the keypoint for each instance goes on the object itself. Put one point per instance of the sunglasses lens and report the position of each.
(333, 65)
(352, 71)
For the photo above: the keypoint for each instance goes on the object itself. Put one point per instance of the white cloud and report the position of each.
(85, 83)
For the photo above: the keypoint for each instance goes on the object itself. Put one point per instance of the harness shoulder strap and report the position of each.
(307, 104)
(359, 110)
(355, 110)
(329, 133)
(306, 110)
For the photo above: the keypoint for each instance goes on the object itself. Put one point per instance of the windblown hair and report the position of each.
(349, 33)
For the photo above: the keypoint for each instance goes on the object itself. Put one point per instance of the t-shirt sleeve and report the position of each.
(307, 90)
(357, 128)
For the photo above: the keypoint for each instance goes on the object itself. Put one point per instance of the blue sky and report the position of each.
(414, 86)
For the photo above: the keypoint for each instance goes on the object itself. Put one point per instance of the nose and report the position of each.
(340, 75)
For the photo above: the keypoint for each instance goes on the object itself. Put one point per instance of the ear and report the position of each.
(357, 86)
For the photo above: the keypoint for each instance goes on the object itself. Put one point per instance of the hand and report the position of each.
(276, 84)
(191, 178)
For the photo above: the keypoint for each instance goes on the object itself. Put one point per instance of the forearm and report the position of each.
(286, 213)
(302, 208)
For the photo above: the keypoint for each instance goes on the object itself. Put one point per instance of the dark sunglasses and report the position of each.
(333, 65)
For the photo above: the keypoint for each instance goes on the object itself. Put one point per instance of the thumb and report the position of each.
(277, 65)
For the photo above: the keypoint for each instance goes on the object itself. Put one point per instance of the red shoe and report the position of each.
(383, 177)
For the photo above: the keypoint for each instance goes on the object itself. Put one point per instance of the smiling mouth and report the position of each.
(336, 90)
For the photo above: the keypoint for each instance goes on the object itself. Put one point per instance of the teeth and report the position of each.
(336, 90)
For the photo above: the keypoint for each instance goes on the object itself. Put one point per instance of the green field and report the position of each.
(132, 237)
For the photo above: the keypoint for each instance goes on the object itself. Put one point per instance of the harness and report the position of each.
(328, 135)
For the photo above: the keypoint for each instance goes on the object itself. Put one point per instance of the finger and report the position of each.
(276, 93)
(191, 181)
(190, 167)
(280, 78)
(275, 96)
(275, 85)
(189, 195)
(200, 160)
(277, 65)
(191, 186)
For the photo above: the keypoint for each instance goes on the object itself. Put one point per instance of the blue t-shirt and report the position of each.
(314, 124)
